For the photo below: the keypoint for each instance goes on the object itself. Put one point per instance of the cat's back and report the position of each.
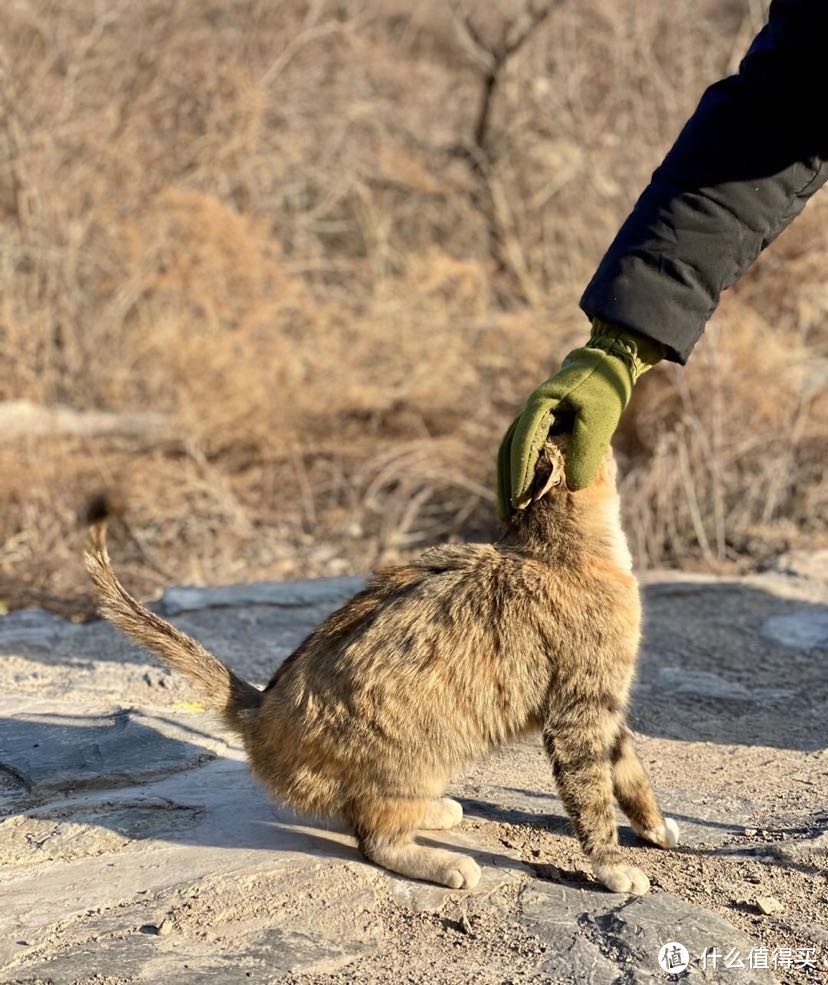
(449, 607)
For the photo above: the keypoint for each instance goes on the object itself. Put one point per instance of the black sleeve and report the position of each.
(742, 168)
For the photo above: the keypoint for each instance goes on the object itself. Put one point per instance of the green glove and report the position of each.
(584, 398)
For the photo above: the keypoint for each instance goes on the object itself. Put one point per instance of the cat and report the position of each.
(439, 661)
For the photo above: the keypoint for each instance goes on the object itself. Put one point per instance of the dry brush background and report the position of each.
(282, 272)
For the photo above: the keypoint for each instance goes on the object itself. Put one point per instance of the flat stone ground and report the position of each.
(134, 847)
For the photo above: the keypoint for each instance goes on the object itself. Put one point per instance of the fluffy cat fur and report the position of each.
(438, 662)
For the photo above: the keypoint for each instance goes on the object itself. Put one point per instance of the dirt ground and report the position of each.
(158, 856)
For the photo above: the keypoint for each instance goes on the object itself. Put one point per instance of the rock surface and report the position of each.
(134, 846)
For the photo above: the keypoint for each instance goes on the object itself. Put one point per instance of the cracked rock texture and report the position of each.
(134, 846)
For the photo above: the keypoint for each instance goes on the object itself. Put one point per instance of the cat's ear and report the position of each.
(549, 473)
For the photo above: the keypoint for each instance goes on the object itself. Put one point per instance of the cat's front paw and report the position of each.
(460, 872)
(665, 836)
(622, 878)
(671, 833)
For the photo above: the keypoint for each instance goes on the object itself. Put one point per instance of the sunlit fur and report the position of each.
(438, 662)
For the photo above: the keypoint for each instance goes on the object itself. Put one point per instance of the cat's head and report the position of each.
(559, 524)
(550, 471)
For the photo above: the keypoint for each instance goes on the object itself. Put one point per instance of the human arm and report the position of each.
(741, 169)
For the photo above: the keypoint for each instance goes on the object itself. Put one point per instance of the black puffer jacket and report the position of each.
(742, 168)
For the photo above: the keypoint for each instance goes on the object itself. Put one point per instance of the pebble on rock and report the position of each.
(768, 905)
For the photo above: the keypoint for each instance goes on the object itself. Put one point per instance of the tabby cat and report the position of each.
(436, 663)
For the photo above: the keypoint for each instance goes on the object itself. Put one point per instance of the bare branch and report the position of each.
(524, 25)
(490, 60)
(480, 54)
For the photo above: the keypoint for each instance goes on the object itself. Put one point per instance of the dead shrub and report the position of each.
(271, 223)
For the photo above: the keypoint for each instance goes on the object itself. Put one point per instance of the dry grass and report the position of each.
(272, 223)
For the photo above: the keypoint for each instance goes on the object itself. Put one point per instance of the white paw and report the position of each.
(442, 814)
(621, 878)
(452, 812)
(671, 833)
(460, 872)
(667, 836)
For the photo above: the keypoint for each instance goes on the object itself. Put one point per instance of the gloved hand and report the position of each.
(584, 398)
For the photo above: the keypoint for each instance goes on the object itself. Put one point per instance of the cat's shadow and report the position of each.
(100, 773)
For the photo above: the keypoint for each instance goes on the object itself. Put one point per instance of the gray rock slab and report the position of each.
(308, 593)
(33, 627)
(124, 957)
(67, 749)
(803, 630)
(638, 929)
(594, 937)
(65, 833)
(555, 914)
(710, 670)
(670, 680)
(253, 630)
(218, 821)
(266, 956)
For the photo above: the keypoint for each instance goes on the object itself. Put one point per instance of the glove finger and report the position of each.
(504, 478)
(589, 442)
(530, 434)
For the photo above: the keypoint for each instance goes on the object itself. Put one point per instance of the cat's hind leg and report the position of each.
(636, 797)
(385, 832)
(442, 814)
(579, 743)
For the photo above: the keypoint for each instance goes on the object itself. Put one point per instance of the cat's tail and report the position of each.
(235, 699)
